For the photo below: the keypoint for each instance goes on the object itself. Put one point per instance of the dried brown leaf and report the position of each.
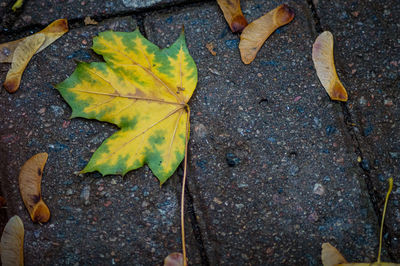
(22, 55)
(174, 259)
(52, 32)
(12, 243)
(233, 14)
(257, 32)
(322, 55)
(210, 47)
(30, 178)
(89, 21)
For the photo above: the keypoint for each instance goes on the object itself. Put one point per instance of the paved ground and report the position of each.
(273, 163)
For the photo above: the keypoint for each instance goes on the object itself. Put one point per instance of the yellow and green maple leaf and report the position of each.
(143, 90)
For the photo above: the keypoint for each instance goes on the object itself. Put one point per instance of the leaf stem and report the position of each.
(183, 188)
(383, 217)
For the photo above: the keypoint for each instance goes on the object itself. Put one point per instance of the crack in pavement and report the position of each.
(193, 219)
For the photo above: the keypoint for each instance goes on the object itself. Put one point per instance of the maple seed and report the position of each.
(322, 55)
(233, 14)
(52, 32)
(257, 32)
(30, 178)
(12, 243)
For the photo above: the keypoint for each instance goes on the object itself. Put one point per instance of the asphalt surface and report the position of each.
(275, 167)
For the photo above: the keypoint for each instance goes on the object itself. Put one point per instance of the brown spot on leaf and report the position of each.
(35, 198)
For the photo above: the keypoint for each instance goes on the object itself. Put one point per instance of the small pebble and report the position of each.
(362, 101)
(330, 130)
(319, 189)
(365, 164)
(69, 192)
(85, 195)
(394, 155)
(388, 102)
(200, 130)
(293, 170)
(57, 110)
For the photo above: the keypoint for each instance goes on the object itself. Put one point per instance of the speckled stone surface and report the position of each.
(367, 45)
(44, 11)
(273, 163)
(296, 181)
(95, 220)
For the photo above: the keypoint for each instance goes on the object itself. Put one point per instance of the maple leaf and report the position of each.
(143, 90)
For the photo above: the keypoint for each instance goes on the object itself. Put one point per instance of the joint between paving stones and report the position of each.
(138, 14)
(374, 196)
(317, 21)
(195, 226)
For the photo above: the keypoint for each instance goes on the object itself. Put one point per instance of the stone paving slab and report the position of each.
(95, 220)
(367, 44)
(273, 170)
(43, 12)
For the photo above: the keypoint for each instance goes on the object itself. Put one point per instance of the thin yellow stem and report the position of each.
(183, 190)
(383, 217)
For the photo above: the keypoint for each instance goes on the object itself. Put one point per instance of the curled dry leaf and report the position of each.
(257, 32)
(330, 256)
(22, 55)
(30, 178)
(322, 55)
(233, 14)
(89, 21)
(210, 48)
(174, 259)
(12, 243)
(52, 32)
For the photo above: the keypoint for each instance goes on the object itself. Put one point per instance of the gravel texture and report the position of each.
(275, 167)
(367, 43)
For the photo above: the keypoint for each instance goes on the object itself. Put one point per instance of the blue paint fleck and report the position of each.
(232, 44)
(368, 130)
(201, 163)
(81, 54)
(224, 32)
(330, 130)
(300, 109)
(169, 20)
(271, 139)
(81, 163)
(269, 63)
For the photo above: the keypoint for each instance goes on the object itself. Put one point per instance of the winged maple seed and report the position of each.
(12, 243)
(20, 52)
(322, 54)
(257, 32)
(143, 90)
(233, 14)
(30, 178)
